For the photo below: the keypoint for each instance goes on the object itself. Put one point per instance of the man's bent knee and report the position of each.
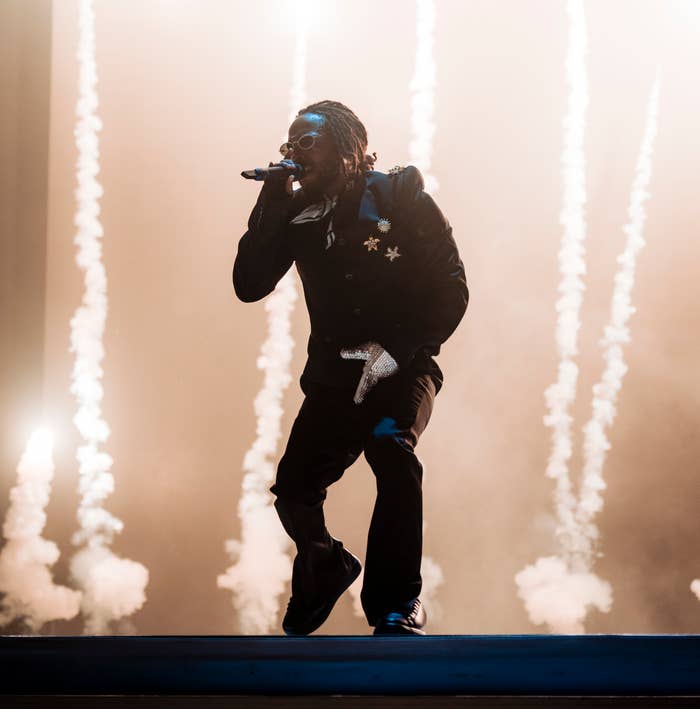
(388, 430)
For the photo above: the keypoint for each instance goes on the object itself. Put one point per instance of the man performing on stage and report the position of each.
(385, 287)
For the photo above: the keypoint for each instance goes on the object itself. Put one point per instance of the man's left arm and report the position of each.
(443, 297)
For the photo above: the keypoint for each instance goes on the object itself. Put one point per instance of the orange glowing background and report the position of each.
(192, 92)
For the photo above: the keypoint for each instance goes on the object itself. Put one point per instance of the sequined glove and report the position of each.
(379, 364)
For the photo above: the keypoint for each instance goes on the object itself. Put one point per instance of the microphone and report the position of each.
(262, 173)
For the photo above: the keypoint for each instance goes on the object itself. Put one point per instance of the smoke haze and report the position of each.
(192, 103)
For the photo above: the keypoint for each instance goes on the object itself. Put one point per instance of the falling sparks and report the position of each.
(262, 565)
(94, 563)
(29, 592)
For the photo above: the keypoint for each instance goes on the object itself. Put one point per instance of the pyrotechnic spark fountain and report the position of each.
(615, 335)
(25, 579)
(113, 587)
(262, 564)
(558, 591)
(561, 395)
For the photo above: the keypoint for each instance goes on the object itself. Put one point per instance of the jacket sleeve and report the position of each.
(263, 254)
(441, 296)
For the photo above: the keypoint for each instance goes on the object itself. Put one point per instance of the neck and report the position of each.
(337, 187)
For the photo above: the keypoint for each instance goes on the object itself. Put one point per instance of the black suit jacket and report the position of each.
(407, 291)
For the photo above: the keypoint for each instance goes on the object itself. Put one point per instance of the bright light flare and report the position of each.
(310, 16)
(28, 591)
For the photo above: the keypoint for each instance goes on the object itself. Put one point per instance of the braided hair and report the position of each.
(349, 136)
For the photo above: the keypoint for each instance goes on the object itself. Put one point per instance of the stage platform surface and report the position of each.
(434, 670)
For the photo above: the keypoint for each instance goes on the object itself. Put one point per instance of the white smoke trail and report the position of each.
(559, 596)
(355, 589)
(25, 579)
(422, 89)
(262, 565)
(112, 587)
(615, 335)
(695, 588)
(558, 591)
(433, 577)
(560, 396)
(297, 91)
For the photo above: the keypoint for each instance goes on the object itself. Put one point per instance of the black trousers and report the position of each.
(328, 435)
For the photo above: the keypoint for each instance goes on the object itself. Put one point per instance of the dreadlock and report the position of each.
(349, 136)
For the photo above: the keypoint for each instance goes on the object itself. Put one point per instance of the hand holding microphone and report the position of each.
(277, 175)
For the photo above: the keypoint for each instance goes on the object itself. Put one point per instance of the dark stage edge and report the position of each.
(326, 671)
(346, 702)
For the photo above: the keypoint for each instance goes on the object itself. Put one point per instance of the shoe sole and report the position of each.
(326, 610)
(397, 630)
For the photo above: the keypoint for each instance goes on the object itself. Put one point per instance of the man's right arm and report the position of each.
(263, 254)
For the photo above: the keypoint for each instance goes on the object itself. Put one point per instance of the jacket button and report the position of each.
(341, 241)
(348, 276)
(327, 339)
(356, 311)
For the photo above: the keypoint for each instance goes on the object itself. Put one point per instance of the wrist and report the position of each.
(275, 191)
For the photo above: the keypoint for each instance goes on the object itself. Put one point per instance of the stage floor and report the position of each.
(347, 702)
(434, 670)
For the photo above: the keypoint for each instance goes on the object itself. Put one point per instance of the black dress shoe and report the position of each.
(406, 620)
(302, 618)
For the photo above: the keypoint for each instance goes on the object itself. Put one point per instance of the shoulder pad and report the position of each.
(398, 188)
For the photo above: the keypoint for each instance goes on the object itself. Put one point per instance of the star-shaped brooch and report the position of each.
(384, 225)
(371, 243)
(392, 253)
